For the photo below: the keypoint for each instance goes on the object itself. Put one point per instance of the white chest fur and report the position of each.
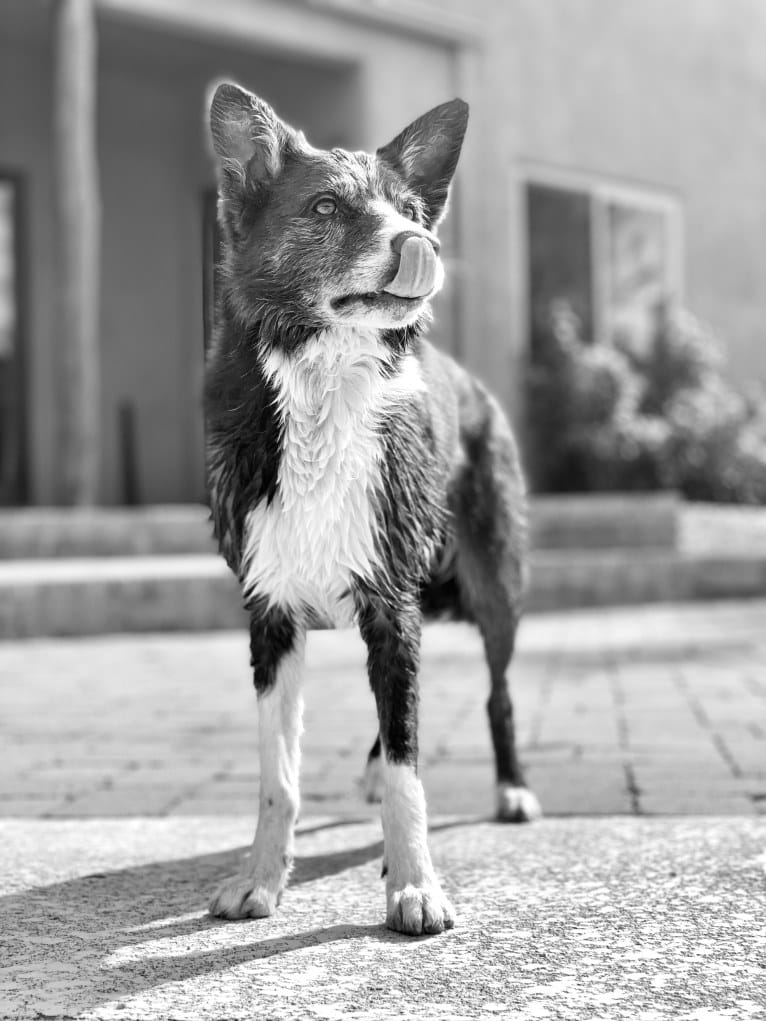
(320, 528)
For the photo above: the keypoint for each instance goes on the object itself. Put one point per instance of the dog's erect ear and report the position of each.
(248, 137)
(427, 151)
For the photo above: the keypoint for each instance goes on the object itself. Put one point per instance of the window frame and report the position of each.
(602, 191)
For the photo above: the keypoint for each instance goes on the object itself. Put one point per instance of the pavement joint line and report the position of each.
(634, 791)
(698, 710)
(617, 691)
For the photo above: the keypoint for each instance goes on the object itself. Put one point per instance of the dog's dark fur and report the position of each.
(319, 354)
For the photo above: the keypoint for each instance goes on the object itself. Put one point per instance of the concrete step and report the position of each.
(561, 522)
(102, 595)
(44, 532)
(566, 579)
(605, 521)
(110, 594)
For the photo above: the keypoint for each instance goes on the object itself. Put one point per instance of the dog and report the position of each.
(356, 474)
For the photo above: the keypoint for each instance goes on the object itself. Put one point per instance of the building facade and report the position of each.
(615, 152)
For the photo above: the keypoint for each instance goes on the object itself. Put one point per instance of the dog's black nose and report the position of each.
(399, 240)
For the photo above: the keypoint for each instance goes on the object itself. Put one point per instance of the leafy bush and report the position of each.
(643, 413)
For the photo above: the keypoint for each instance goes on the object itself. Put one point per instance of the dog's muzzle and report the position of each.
(418, 264)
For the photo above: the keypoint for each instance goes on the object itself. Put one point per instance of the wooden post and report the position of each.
(78, 215)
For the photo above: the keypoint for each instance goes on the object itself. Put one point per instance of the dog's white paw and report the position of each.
(516, 804)
(372, 782)
(243, 897)
(419, 910)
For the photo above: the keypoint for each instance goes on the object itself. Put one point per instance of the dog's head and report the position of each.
(328, 239)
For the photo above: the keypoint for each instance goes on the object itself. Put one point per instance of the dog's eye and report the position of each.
(409, 212)
(325, 206)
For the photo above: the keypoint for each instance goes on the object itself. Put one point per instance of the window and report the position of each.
(611, 253)
(12, 447)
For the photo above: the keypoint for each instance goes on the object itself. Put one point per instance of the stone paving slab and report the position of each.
(656, 709)
(639, 919)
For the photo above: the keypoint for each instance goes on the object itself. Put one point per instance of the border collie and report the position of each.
(356, 474)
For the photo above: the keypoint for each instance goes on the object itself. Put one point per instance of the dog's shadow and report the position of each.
(66, 940)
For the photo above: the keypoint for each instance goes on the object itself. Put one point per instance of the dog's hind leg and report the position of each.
(372, 782)
(514, 801)
(497, 620)
(489, 509)
(277, 648)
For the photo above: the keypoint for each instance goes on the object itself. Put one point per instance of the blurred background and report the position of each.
(607, 271)
(606, 278)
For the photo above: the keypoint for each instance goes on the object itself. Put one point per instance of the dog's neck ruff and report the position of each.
(333, 396)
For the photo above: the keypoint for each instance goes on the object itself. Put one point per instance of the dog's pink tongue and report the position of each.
(416, 275)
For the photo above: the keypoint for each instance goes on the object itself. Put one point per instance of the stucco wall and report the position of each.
(664, 95)
(155, 169)
(669, 95)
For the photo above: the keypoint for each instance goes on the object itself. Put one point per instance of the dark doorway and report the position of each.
(13, 467)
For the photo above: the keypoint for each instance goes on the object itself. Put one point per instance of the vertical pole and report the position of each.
(78, 214)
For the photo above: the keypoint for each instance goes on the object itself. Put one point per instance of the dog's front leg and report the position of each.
(415, 903)
(277, 648)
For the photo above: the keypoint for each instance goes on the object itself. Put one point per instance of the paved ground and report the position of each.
(648, 710)
(623, 715)
(636, 919)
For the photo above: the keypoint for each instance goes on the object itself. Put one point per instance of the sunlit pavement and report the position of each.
(648, 710)
(613, 906)
(567, 918)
